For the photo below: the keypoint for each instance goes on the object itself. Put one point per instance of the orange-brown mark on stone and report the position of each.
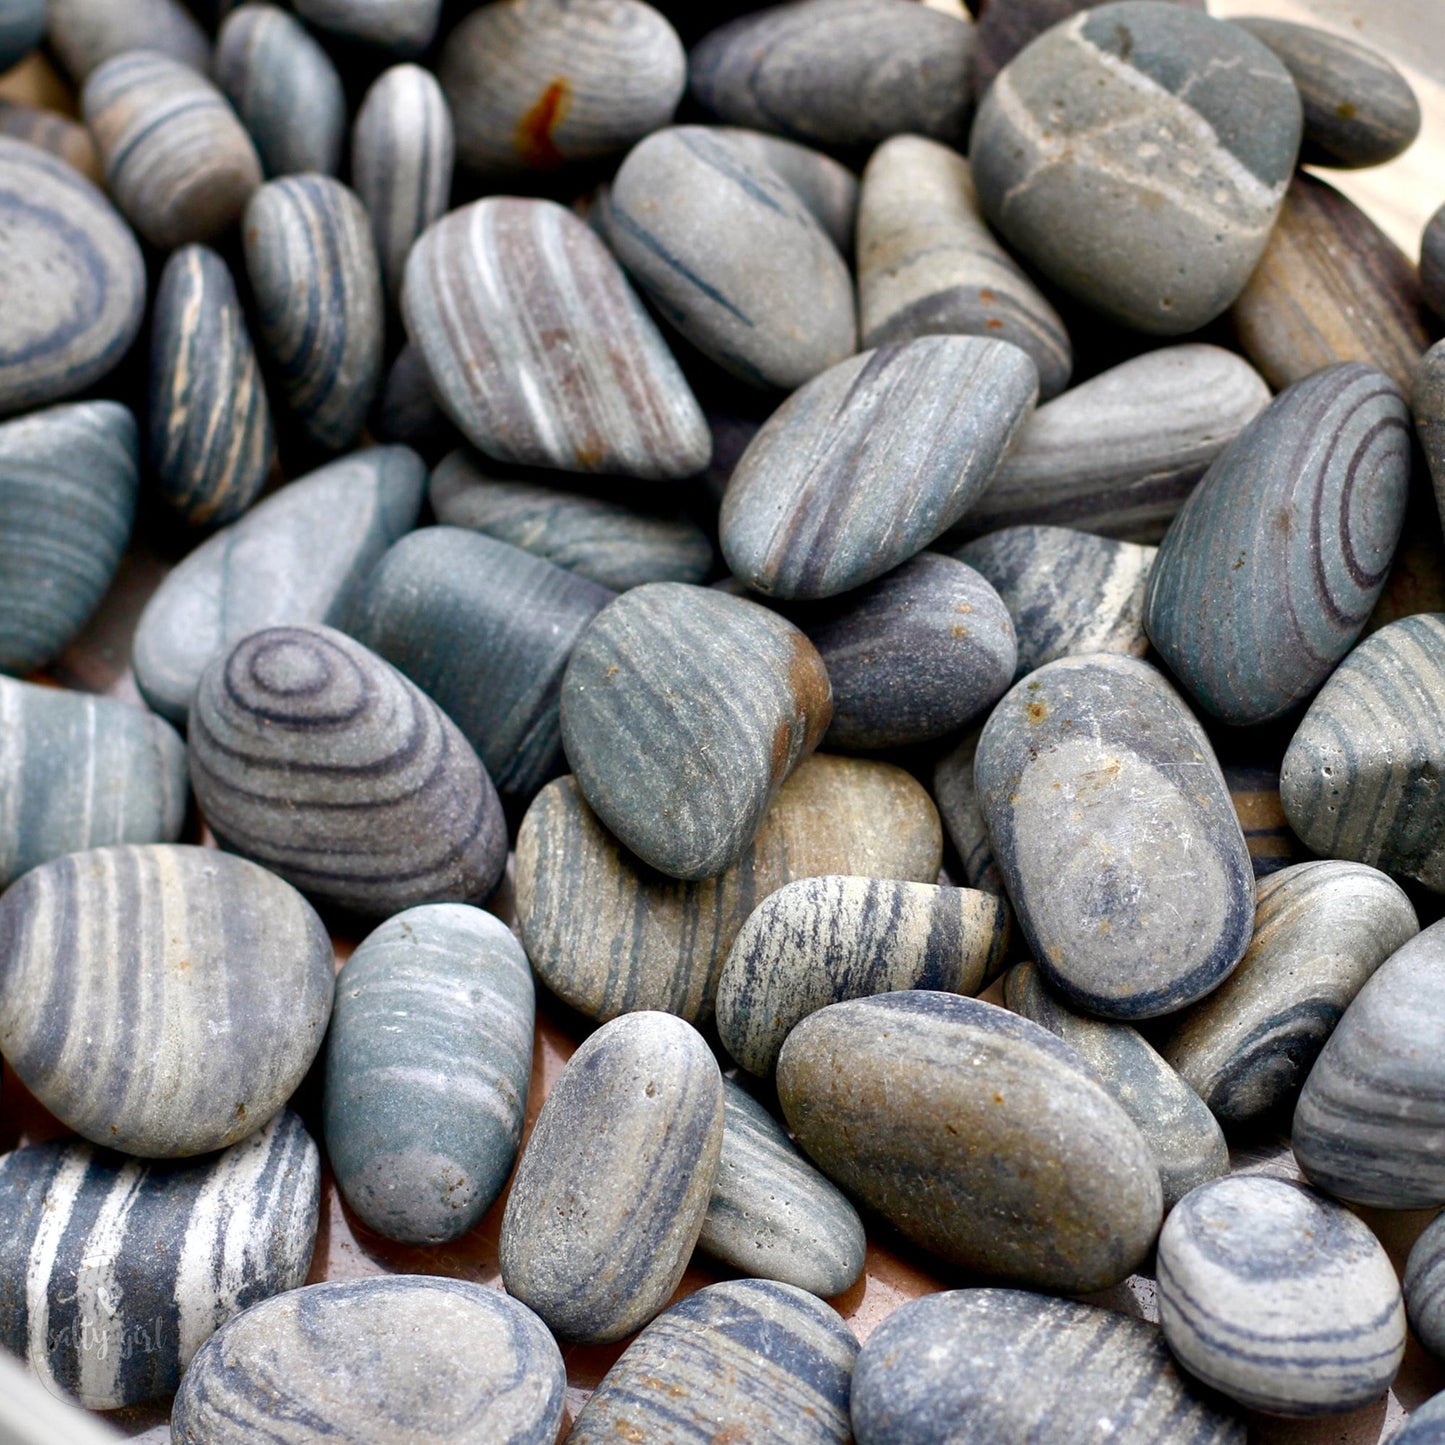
(960, 630)
(590, 454)
(1345, 111)
(1037, 711)
(184, 964)
(626, 1430)
(984, 294)
(535, 129)
(994, 324)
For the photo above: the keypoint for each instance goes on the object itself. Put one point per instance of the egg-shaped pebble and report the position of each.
(86, 33)
(53, 132)
(22, 28)
(825, 186)
(1425, 1287)
(409, 1357)
(405, 27)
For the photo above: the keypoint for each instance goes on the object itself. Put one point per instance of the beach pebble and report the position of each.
(609, 1197)
(1137, 155)
(405, 27)
(1432, 262)
(403, 1357)
(825, 186)
(190, 1036)
(957, 799)
(58, 134)
(115, 1271)
(22, 28)
(1279, 1298)
(86, 33)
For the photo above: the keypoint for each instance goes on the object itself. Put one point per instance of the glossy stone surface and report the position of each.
(825, 186)
(191, 1036)
(1425, 1288)
(404, 27)
(86, 33)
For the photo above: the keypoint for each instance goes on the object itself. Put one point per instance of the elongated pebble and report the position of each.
(405, 27)
(52, 132)
(741, 1360)
(22, 28)
(86, 33)
(1424, 1285)
(420, 1357)
(957, 799)
(825, 186)
(115, 1271)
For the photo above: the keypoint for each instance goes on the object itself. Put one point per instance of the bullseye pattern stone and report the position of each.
(86, 33)
(1425, 1288)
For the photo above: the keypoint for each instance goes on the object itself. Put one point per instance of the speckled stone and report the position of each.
(825, 186)
(819, 941)
(162, 1047)
(928, 264)
(58, 134)
(1118, 454)
(609, 1198)
(418, 1357)
(211, 440)
(302, 555)
(285, 89)
(72, 281)
(839, 73)
(1425, 1287)
(1426, 1425)
(540, 352)
(1013, 1368)
(865, 465)
(22, 28)
(317, 758)
(428, 1063)
(1138, 157)
(86, 33)
(114, 1271)
(607, 935)
(404, 27)
(68, 481)
(1279, 1298)
(1427, 403)
(957, 799)
(1111, 822)
(1372, 1113)
(741, 1360)
(1320, 930)
(1432, 262)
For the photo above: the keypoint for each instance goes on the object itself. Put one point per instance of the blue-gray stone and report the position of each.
(1432, 262)
(1426, 1426)
(22, 28)
(1425, 1287)
(404, 27)
(407, 413)
(85, 33)
(957, 799)
(1254, 790)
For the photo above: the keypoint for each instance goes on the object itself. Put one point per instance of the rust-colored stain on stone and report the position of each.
(536, 128)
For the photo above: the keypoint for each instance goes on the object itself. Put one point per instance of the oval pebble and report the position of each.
(1425, 1287)
(22, 28)
(405, 27)
(825, 186)
(86, 33)
(58, 134)
(413, 1356)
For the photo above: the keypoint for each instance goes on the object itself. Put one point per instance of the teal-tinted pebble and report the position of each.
(85, 33)
(22, 28)
(1425, 1288)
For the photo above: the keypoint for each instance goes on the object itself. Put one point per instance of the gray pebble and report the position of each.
(22, 28)
(1425, 1287)
(86, 33)
(1254, 791)
(1432, 262)
(957, 799)
(1426, 1426)
(1427, 404)
(405, 27)
(825, 186)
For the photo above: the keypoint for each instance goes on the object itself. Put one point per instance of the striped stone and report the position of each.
(1279, 1298)
(539, 351)
(86, 33)
(1021, 1367)
(1424, 1285)
(115, 1271)
(1273, 565)
(22, 28)
(825, 186)
(177, 160)
(211, 440)
(1321, 929)
(416, 1356)
(161, 999)
(741, 1360)
(819, 941)
(1254, 791)
(58, 134)
(428, 1062)
(404, 27)
(1427, 403)
(865, 465)
(317, 758)
(607, 935)
(957, 800)
(609, 1197)
(68, 482)
(308, 239)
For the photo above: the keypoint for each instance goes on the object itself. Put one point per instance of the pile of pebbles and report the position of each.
(895, 550)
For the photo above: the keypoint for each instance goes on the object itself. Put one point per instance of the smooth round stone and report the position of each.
(428, 1063)
(865, 465)
(1012, 1368)
(405, 27)
(285, 89)
(928, 264)
(608, 935)
(1279, 1298)
(1137, 154)
(957, 800)
(1186, 1142)
(819, 941)
(177, 160)
(609, 1197)
(1425, 1426)
(72, 281)
(86, 33)
(1118, 454)
(1360, 778)
(1425, 1287)
(211, 440)
(319, 759)
(1359, 110)
(537, 84)
(825, 186)
(22, 28)
(839, 73)
(977, 1134)
(1432, 262)
(540, 352)
(403, 1357)
(319, 304)
(1113, 827)
(772, 1215)
(741, 1360)
(1370, 1126)
(683, 712)
(58, 134)
(115, 1271)
(68, 482)
(485, 630)
(302, 555)
(1321, 929)
(614, 544)
(79, 772)
(193, 1034)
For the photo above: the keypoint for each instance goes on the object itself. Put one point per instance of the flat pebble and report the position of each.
(403, 1357)
(193, 1034)
(115, 1271)
(741, 1360)
(404, 27)
(1425, 1426)
(1425, 1287)
(957, 799)
(1432, 262)
(86, 33)
(825, 186)
(609, 1197)
(22, 28)
(1279, 1298)
(58, 134)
